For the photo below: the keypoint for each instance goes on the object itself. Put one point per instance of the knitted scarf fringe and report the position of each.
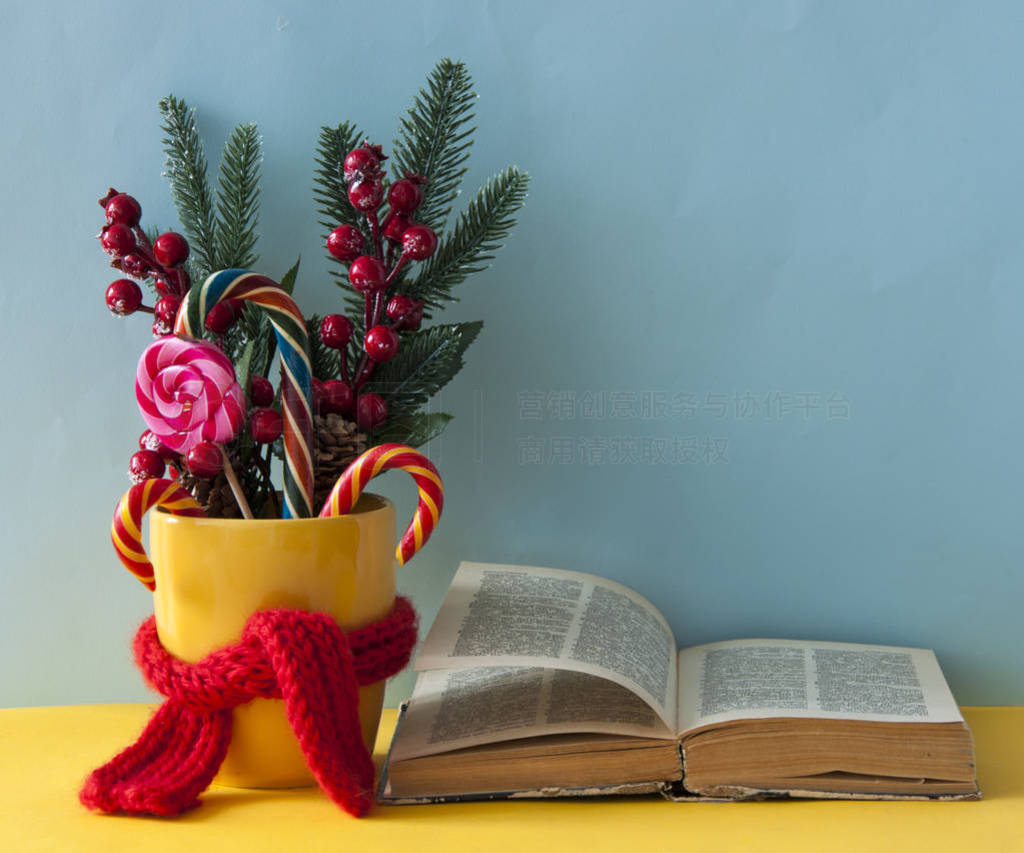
(304, 659)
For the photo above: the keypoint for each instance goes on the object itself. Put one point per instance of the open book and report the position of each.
(544, 682)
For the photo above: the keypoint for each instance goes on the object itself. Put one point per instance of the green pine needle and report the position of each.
(477, 235)
(330, 193)
(427, 360)
(238, 199)
(435, 140)
(322, 359)
(190, 188)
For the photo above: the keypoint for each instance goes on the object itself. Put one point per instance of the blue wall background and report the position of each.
(778, 242)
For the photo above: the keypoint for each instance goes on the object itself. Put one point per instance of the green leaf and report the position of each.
(265, 345)
(186, 171)
(414, 429)
(427, 360)
(434, 139)
(288, 279)
(238, 199)
(243, 368)
(479, 233)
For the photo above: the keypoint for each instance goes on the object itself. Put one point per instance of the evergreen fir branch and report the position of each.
(479, 233)
(434, 139)
(190, 187)
(414, 429)
(427, 360)
(330, 193)
(323, 359)
(238, 199)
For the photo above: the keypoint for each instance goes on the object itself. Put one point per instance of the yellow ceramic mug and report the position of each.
(212, 574)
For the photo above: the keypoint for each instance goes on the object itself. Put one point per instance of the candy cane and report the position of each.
(351, 484)
(126, 529)
(296, 375)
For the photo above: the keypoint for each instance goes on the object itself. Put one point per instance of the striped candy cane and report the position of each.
(296, 374)
(351, 484)
(126, 529)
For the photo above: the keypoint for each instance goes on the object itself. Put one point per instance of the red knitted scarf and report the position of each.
(304, 659)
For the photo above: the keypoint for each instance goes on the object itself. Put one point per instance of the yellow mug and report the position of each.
(212, 574)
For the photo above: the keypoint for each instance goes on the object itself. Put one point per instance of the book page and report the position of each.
(523, 616)
(456, 708)
(752, 679)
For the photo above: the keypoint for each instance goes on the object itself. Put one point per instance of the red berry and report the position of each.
(367, 274)
(335, 331)
(405, 195)
(337, 396)
(145, 465)
(400, 305)
(123, 210)
(117, 240)
(162, 286)
(151, 441)
(366, 194)
(419, 242)
(346, 242)
(381, 343)
(371, 411)
(161, 329)
(124, 297)
(261, 392)
(170, 249)
(318, 396)
(166, 308)
(204, 459)
(134, 265)
(222, 316)
(395, 225)
(362, 162)
(265, 425)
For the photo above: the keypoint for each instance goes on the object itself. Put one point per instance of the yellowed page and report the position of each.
(456, 708)
(755, 679)
(526, 616)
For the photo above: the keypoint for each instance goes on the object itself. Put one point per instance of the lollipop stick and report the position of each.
(236, 487)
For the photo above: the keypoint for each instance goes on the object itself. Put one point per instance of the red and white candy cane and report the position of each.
(126, 529)
(381, 458)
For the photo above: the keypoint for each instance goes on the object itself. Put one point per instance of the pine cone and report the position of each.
(214, 495)
(337, 444)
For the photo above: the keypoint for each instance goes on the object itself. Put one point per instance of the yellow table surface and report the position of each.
(46, 752)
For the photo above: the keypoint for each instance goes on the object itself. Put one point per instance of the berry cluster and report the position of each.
(373, 276)
(162, 261)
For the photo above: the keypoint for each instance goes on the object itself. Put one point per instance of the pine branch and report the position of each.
(481, 228)
(330, 193)
(190, 188)
(435, 140)
(427, 360)
(322, 358)
(238, 199)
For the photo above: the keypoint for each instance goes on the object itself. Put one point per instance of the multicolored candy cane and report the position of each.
(126, 529)
(351, 484)
(296, 375)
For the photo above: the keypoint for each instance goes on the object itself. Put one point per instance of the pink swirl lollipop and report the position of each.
(187, 393)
